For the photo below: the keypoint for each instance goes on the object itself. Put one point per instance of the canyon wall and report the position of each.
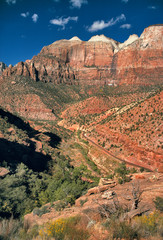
(101, 60)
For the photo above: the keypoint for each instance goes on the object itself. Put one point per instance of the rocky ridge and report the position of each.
(100, 60)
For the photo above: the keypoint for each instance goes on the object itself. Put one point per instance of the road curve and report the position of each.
(119, 159)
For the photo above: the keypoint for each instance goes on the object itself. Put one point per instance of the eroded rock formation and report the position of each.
(100, 60)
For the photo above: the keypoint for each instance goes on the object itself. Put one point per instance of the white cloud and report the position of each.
(125, 1)
(126, 26)
(25, 14)
(152, 7)
(63, 21)
(99, 25)
(11, 1)
(78, 3)
(35, 17)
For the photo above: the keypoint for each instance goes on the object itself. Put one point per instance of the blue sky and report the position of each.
(28, 25)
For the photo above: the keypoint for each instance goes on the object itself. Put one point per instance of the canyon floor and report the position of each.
(84, 159)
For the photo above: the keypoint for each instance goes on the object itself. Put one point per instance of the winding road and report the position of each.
(117, 158)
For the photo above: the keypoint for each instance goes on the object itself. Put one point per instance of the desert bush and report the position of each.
(149, 225)
(54, 229)
(121, 172)
(159, 203)
(84, 141)
(64, 229)
(120, 181)
(83, 201)
(40, 211)
(9, 228)
(110, 176)
(133, 170)
(60, 205)
(141, 169)
(123, 230)
(27, 232)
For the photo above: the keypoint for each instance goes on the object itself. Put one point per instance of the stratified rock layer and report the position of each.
(101, 60)
(28, 106)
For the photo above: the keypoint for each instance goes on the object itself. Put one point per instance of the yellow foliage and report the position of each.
(150, 222)
(54, 229)
(61, 229)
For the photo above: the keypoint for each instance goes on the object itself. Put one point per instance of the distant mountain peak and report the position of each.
(75, 39)
(99, 38)
(132, 38)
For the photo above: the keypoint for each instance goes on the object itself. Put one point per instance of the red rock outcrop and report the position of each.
(29, 106)
(101, 60)
(3, 171)
(89, 204)
(141, 61)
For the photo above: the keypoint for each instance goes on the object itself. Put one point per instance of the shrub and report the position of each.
(62, 229)
(84, 141)
(121, 173)
(133, 170)
(110, 176)
(54, 229)
(9, 228)
(141, 169)
(123, 230)
(159, 203)
(149, 225)
(60, 205)
(27, 233)
(40, 211)
(120, 181)
(83, 201)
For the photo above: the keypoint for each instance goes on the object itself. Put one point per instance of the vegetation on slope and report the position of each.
(41, 175)
(34, 178)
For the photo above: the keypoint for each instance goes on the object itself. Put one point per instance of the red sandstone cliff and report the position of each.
(101, 60)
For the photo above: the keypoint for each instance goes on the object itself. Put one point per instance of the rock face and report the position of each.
(100, 60)
(28, 106)
(3, 66)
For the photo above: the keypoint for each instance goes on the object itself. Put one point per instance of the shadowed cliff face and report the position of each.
(29, 153)
(14, 153)
(99, 61)
(18, 122)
